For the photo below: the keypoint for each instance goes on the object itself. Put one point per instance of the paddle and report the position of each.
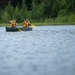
(33, 26)
(20, 29)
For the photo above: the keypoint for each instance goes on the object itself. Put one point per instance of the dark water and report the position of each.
(47, 50)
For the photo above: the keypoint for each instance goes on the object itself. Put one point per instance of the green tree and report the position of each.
(34, 8)
(5, 17)
(24, 7)
(10, 10)
(55, 8)
(16, 14)
(23, 10)
(48, 8)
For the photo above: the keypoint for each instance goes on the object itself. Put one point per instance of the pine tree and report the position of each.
(5, 17)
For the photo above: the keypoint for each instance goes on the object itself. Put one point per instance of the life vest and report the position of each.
(26, 24)
(13, 24)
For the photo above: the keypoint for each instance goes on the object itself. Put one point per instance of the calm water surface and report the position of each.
(47, 50)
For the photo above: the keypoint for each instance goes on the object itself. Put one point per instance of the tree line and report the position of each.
(38, 11)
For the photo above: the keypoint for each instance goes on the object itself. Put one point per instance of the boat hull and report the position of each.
(9, 29)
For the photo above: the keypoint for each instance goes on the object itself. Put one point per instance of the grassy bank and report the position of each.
(42, 24)
(54, 23)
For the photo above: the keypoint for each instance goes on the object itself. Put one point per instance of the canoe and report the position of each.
(9, 29)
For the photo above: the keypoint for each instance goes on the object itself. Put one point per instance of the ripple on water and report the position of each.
(43, 51)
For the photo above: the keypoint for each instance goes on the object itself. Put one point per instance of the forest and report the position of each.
(43, 11)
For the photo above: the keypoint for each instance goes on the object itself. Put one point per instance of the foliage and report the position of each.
(72, 17)
(38, 10)
(5, 17)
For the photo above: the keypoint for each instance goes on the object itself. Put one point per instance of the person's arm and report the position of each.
(29, 23)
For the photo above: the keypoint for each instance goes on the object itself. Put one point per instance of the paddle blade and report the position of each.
(33, 26)
(19, 29)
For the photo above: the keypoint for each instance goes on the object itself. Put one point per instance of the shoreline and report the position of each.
(42, 24)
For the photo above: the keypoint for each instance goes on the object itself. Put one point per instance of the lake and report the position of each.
(46, 50)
